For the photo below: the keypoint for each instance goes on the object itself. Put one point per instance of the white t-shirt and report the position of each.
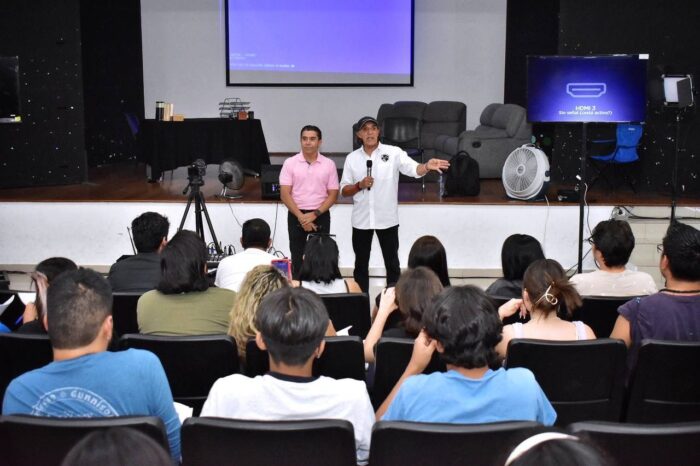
(285, 398)
(601, 283)
(233, 269)
(336, 286)
(377, 208)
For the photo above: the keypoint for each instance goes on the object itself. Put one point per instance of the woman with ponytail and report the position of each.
(546, 292)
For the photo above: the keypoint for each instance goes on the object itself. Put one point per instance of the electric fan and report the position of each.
(231, 176)
(526, 173)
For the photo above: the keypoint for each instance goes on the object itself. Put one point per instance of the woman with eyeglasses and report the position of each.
(319, 269)
(546, 289)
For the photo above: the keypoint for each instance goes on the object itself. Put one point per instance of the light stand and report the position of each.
(581, 195)
(678, 94)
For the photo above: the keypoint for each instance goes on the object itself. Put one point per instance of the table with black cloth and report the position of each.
(166, 145)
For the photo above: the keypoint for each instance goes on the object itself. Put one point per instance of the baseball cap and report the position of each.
(363, 121)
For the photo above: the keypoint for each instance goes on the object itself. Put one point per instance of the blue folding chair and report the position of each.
(624, 153)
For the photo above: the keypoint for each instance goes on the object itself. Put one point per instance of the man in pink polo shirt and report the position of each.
(308, 187)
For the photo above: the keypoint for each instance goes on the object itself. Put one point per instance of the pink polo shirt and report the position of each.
(310, 182)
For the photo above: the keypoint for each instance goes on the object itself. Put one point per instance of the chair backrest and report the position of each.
(628, 135)
(124, 312)
(403, 132)
(392, 356)
(584, 380)
(343, 358)
(665, 384)
(20, 353)
(349, 309)
(192, 363)
(644, 445)
(401, 443)
(45, 441)
(509, 117)
(600, 313)
(263, 443)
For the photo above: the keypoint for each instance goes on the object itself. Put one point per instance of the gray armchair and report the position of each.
(503, 128)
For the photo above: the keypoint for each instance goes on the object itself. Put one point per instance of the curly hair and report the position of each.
(548, 286)
(258, 283)
(464, 320)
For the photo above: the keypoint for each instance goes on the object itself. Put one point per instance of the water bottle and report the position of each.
(442, 185)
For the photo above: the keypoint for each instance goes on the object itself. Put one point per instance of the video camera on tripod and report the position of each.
(195, 177)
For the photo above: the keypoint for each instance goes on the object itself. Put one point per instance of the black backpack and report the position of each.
(462, 178)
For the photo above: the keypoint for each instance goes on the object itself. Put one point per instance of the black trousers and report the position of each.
(362, 245)
(297, 237)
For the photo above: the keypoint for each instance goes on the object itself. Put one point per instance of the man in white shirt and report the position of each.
(255, 239)
(371, 177)
(291, 324)
(612, 242)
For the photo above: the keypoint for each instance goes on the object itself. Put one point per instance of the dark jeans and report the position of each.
(362, 245)
(297, 237)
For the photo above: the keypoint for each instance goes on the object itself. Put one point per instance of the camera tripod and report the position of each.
(199, 207)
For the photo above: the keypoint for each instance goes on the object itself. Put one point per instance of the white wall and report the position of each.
(459, 54)
(95, 233)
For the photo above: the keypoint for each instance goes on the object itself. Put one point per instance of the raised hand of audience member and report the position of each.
(511, 307)
(387, 305)
(423, 349)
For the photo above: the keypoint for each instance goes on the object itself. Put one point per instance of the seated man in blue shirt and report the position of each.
(464, 327)
(84, 379)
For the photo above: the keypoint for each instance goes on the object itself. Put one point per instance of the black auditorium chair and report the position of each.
(343, 357)
(124, 312)
(349, 309)
(665, 384)
(192, 363)
(11, 317)
(20, 353)
(644, 444)
(600, 313)
(391, 357)
(45, 441)
(584, 380)
(405, 132)
(499, 301)
(207, 440)
(416, 443)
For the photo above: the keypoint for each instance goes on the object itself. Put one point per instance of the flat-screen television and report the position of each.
(601, 89)
(319, 43)
(9, 90)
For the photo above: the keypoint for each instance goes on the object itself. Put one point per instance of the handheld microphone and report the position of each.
(369, 171)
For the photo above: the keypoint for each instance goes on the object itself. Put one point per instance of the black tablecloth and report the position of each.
(166, 145)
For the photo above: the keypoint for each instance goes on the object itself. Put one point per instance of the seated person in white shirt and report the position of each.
(612, 243)
(291, 323)
(255, 239)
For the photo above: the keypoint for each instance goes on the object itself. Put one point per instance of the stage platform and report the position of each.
(88, 222)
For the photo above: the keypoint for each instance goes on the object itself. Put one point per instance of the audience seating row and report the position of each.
(584, 380)
(344, 310)
(320, 442)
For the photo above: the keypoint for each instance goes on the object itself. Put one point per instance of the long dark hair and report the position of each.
(428, 251)
(182, 264)
(320, 260)
(518, 252)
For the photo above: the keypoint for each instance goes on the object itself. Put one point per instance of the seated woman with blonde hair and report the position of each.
(258, 283)
(545, 288)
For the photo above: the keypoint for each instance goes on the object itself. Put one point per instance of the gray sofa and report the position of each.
(503, 127)
(439, 120)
